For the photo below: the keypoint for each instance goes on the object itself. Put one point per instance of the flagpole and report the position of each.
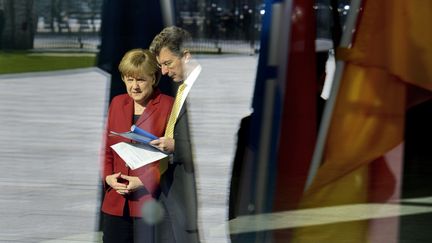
(330, 104)
(167, 12)
(278, 37)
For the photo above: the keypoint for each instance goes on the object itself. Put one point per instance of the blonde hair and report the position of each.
(137, 62)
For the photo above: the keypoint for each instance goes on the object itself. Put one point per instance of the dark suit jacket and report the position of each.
(120, 118)
(178, 187)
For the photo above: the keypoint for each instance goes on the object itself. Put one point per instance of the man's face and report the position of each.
(139, 88)
(171, 64)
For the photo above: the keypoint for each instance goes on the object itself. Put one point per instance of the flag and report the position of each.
(282, 128)
(297, 133)
(298, 127)
(391, 52)
(284, 113)
(250, 188)
(259, 160)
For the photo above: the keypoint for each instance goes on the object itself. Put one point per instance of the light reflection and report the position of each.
(324, 215)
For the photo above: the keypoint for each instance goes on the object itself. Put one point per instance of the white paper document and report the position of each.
(137, 155)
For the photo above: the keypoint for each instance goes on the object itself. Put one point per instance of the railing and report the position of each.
(75, 26)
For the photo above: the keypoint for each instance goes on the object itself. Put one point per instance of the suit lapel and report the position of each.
(182, 113)
(150, 109)
(182, 110)
(128, 110)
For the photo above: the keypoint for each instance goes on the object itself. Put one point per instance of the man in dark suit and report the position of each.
(178, 187)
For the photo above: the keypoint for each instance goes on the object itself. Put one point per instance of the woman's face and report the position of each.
(139, 88)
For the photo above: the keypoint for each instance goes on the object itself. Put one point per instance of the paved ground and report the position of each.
(218, 100)
(50, 124)
(50, 130)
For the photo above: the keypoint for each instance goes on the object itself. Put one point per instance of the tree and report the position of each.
(19, 24)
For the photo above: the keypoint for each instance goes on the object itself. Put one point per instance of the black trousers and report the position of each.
(126, 229)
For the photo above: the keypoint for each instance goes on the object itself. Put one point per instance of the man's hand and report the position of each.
(134, 182)
(112, 181)
(165, 144)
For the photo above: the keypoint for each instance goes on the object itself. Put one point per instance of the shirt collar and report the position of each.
(190, 80)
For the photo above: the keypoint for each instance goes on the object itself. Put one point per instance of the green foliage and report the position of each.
(20, 62)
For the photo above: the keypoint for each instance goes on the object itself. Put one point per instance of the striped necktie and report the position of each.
(169, 131)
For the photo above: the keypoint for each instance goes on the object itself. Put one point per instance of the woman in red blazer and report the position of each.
(125, 189)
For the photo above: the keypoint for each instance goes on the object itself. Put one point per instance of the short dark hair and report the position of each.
(174, 38)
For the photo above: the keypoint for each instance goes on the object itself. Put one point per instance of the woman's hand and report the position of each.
(112, 181)
(165, 144)
(134, 182)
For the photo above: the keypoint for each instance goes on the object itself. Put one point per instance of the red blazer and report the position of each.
(120, 118)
